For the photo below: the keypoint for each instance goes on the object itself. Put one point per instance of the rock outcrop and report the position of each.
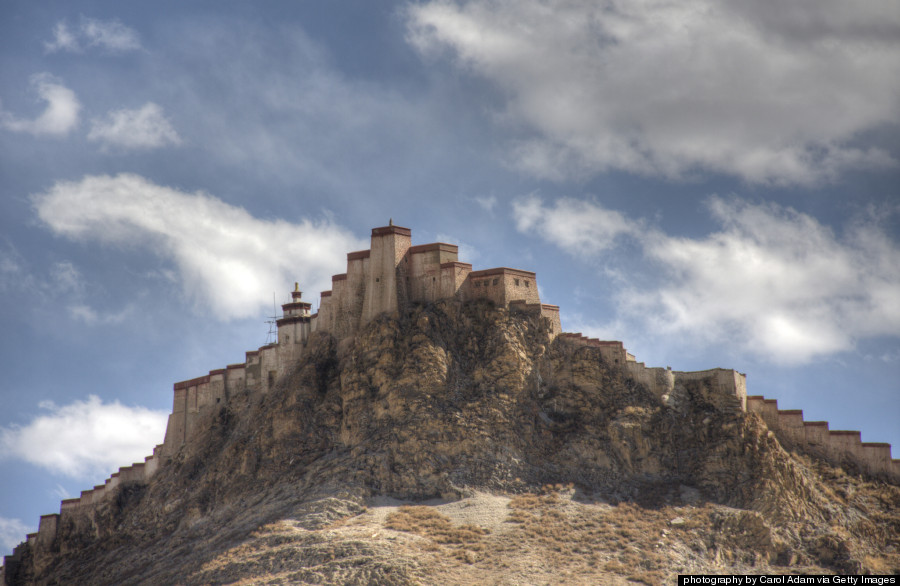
(575, 466)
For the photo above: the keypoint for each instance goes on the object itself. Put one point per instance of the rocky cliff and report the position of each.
(457, 443)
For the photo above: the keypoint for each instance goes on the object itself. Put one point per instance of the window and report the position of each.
(517, 282)
(526, 284)
(495, 282)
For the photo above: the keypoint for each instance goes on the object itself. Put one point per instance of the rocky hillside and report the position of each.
(456, 444)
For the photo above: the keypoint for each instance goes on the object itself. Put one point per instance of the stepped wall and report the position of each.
(838, 447)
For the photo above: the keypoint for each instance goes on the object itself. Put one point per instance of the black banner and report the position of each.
(765, 579)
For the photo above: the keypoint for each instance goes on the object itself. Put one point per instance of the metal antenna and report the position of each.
(272, 335)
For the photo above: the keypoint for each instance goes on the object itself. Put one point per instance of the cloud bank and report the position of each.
(775, 281)
(228, 262)
(143, 128)
(85, 439)
(673, 87)
(109, 35)
(60, 116)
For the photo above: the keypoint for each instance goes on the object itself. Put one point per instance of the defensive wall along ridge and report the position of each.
(391, 276)
(838, 447)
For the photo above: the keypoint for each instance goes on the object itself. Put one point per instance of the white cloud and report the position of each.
(60, 116)
(772, 281)
(63, 39)
(771, 94)
(67, 278)
(85, 439)
(12, 533)
(576, 226)
(110, 35)
(91, 317)
(11, 270)
(144, 128)
(228, 262)
(487, 203)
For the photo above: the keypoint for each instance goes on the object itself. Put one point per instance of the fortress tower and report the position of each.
(386, 285)
(393, 274)
(294, 326)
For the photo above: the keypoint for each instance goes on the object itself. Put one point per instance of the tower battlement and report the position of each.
(392, 274)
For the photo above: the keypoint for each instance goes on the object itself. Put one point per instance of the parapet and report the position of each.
(387, 230)
(612, 352)
(838, 447)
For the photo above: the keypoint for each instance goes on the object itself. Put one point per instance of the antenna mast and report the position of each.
(272, 335)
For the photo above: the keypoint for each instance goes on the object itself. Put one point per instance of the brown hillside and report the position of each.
(456, 443)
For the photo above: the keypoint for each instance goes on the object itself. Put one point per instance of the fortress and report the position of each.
(391, 276)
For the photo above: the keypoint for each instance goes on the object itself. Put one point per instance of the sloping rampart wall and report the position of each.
(839, 447)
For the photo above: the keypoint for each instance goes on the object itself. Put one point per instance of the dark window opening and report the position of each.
(517, 282)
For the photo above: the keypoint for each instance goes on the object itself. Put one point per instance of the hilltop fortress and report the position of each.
(393, 275)
(386, 278)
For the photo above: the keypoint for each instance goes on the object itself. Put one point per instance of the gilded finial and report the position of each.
(296, 286)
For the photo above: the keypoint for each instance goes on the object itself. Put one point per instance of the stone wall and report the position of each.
(393, 273)
(387, 278)
(502, 285)
(839, 447)
(386, 283)
(426, 273)
(550, 312)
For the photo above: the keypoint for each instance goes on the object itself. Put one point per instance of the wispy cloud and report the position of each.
(85, 439)
(143, 128)
(487, 203)
(228, 262)
(672, 87)
(67, 278)
(60, 492)
(12, 272)
(67, 281)
(92, 317)
(12, 532)
(771, 281)
(61, 284)
(109, 35)
(60, 116)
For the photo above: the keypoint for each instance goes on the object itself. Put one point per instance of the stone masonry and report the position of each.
(389, 277)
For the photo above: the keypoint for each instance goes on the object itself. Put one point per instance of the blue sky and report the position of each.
(716, 183)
